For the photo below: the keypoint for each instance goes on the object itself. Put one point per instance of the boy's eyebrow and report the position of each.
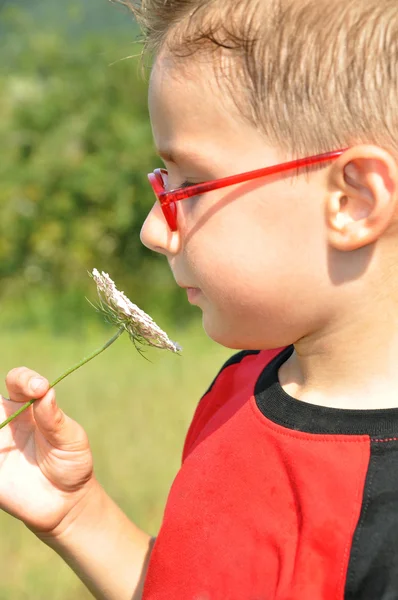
(178, 156)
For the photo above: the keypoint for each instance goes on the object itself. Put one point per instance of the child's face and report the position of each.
(256, 252)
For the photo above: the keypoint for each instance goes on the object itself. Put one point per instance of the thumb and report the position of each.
(58, 429)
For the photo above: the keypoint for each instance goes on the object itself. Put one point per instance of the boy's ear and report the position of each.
(362, 197)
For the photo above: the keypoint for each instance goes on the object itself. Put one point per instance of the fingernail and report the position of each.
(37, 385)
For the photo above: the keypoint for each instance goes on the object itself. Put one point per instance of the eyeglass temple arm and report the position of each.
(201, 188)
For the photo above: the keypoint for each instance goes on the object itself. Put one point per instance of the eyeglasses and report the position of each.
(168, 199)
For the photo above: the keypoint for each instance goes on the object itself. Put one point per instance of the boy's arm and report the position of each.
(104, 548)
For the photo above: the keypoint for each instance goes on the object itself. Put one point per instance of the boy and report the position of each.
(289, 484)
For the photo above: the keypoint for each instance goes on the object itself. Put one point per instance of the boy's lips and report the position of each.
(193, 294)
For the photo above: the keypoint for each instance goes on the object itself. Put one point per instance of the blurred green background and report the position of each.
(74, 156)
(75, 150)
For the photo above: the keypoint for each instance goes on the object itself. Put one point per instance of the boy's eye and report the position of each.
(179, 186)
(193, 199)
(186, 184)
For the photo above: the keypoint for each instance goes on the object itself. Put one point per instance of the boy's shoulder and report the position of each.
(238, 373)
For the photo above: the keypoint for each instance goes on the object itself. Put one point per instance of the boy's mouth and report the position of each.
(193, 294)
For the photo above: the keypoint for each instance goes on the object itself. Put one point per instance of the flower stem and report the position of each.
(64, 375)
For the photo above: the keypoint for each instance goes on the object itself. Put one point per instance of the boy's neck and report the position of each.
(352, 365)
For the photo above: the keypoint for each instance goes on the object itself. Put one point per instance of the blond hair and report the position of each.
(313, 74)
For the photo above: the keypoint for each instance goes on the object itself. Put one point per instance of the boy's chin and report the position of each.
(219, 334)
(226, 334)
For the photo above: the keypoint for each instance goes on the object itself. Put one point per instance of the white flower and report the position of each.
(122, 312)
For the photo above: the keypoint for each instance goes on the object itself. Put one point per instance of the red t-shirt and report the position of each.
(278, 499)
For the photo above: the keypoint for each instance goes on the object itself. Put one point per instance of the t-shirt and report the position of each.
(278, 499)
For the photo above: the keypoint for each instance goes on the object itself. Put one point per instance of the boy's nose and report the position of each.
(156, 234)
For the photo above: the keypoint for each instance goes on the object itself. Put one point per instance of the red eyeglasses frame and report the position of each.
(168, 199)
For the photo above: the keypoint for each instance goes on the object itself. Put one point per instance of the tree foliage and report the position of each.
(76, 148)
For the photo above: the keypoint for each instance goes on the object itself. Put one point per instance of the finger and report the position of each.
(24, 384)
(59, 429)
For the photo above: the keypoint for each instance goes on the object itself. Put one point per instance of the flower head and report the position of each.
(120, 311)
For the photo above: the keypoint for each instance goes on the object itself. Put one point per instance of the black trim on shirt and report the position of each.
(235, 359)
(277, 406)
(373, 568)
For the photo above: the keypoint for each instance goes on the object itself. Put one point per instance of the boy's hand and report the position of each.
(46, 465)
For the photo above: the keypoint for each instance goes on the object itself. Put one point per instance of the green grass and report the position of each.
(136, 414)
